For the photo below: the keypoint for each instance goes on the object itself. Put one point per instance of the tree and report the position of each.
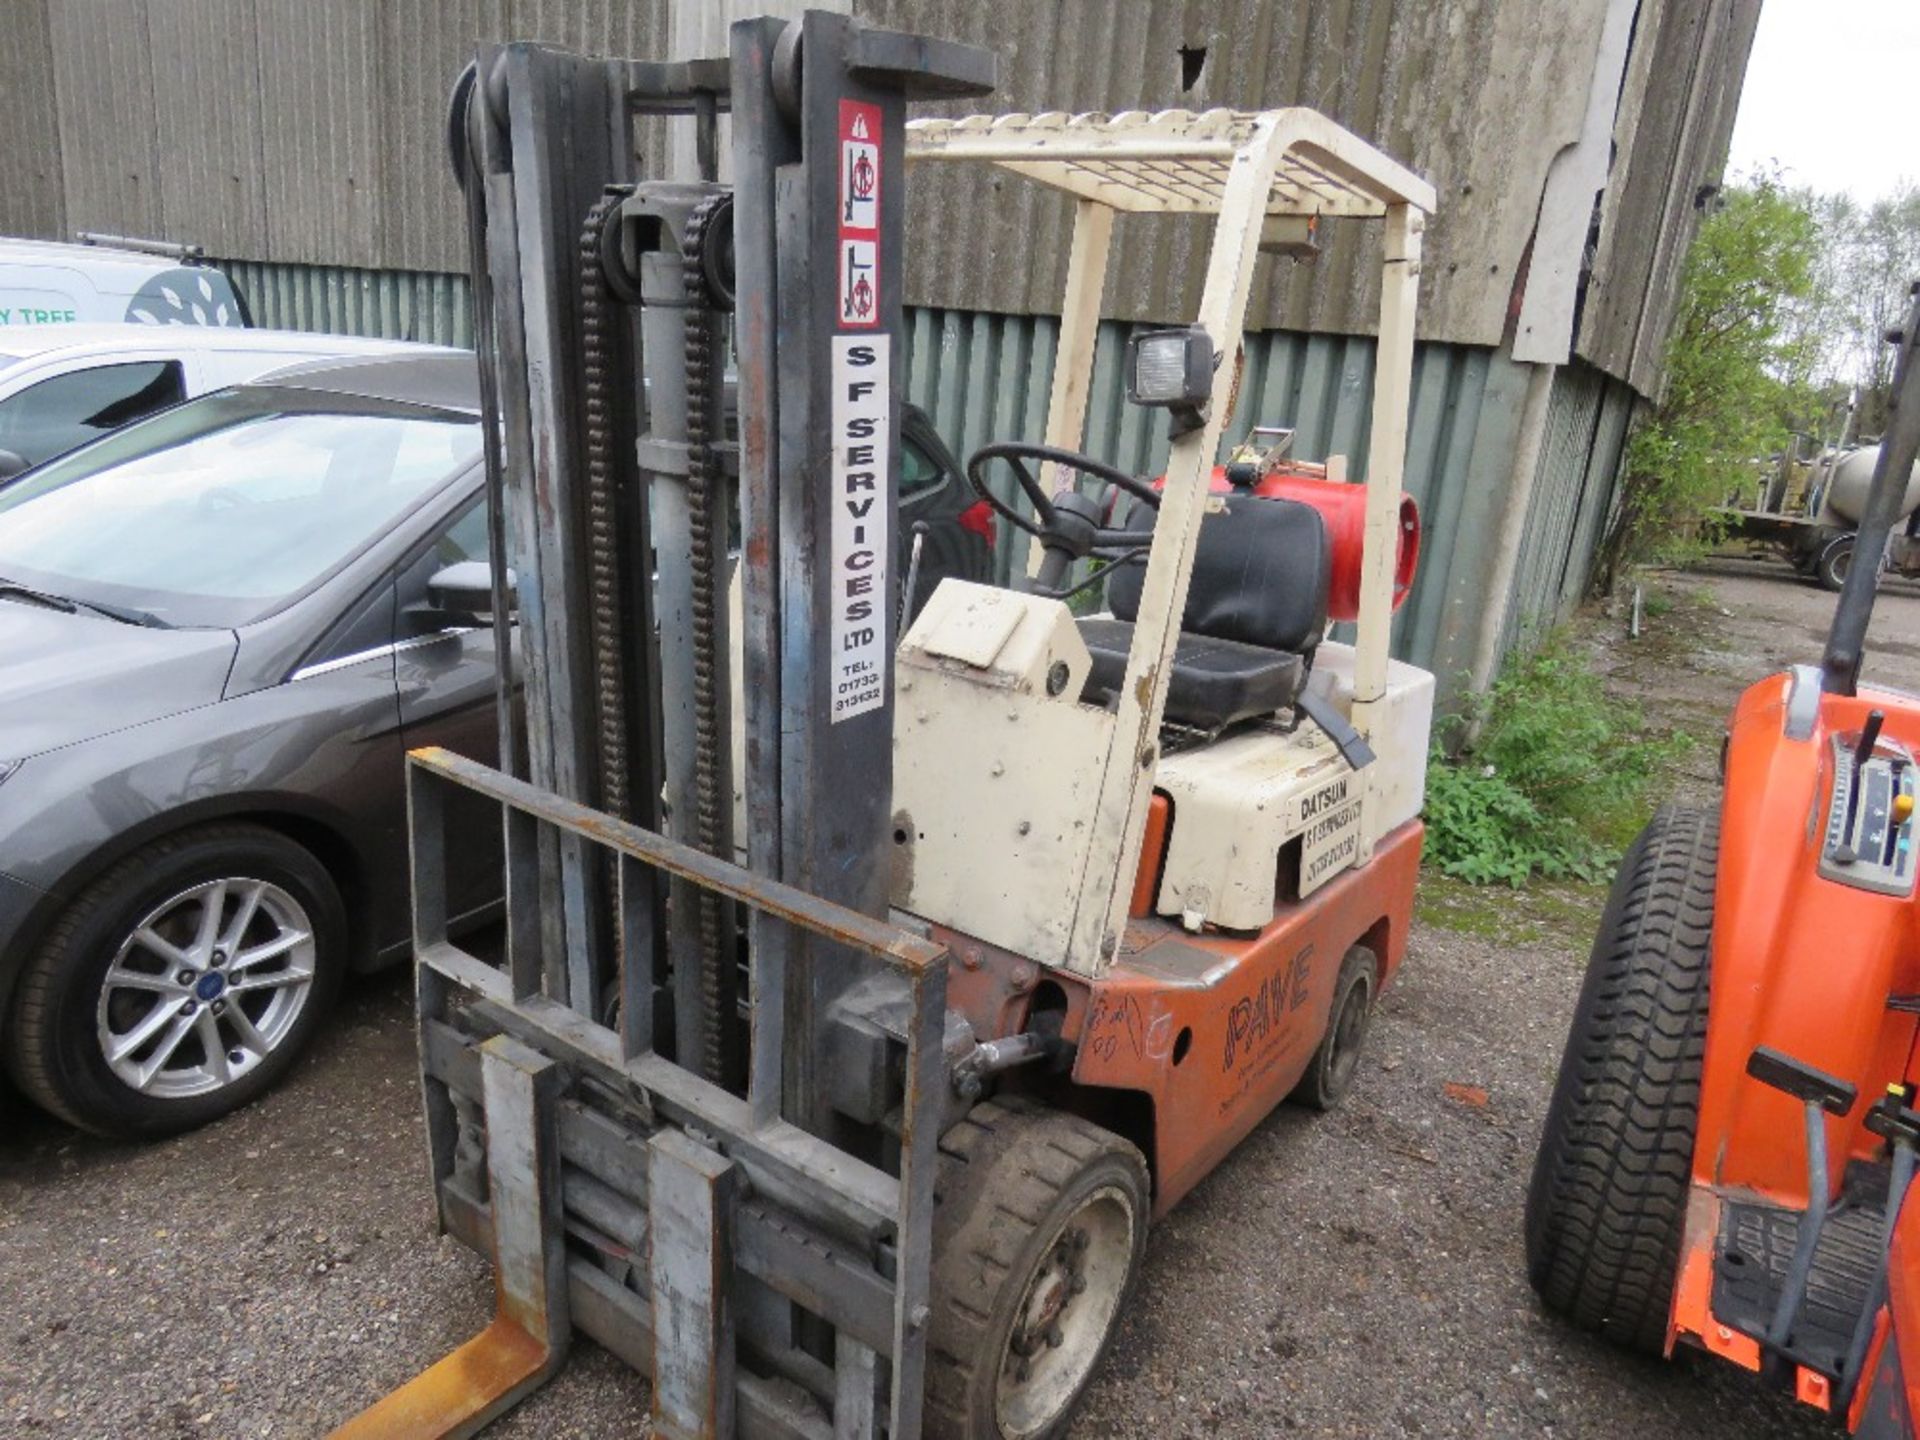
(1739, 363)
(1869, 255)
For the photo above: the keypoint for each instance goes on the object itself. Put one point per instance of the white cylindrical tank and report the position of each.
(1851, 478)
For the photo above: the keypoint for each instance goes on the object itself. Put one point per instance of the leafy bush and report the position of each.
(1556, 783)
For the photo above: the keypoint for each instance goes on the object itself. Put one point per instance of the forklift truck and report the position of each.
(1734, 1128)
(866, 994)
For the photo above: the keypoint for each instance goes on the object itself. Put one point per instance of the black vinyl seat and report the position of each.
(1256, 608)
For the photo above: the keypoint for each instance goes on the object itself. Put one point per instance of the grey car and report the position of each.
(218, 638)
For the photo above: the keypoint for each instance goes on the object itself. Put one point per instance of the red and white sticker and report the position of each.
(859, 282)
(859, 214)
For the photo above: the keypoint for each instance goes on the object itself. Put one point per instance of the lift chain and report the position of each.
(603, 568)
(706, 226)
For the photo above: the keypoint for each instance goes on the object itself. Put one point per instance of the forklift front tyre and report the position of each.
(1039, 1230)
(1330, 1074)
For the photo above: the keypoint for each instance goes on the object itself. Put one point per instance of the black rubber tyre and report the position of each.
(1836, 558)
(54, 1049)
(1331, 1072)
(1017, 1181)
(1607, 1207)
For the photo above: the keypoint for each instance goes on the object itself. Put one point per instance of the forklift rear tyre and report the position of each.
(1039, 1229)
(1330, 1074)
(1607, 1207)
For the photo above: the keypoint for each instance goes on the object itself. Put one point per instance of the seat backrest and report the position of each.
(1260, 574)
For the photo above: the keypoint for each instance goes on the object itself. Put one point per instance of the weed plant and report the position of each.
(1555, 784)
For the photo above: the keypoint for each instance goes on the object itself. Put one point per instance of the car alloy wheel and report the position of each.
(206, 987)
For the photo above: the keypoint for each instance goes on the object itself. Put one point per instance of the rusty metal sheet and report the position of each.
(1676, 115)
(1477, 95)
(32, 192)
(103, 81)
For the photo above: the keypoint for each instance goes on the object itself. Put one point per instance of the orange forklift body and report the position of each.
(1213, 1030)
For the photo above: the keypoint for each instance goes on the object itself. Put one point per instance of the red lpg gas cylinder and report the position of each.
(1343, 507)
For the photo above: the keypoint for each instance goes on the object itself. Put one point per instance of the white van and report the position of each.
(62, 385)
(44, 283)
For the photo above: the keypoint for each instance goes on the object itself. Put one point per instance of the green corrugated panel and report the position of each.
(984, 377)
(1587, 424)
(337, 300)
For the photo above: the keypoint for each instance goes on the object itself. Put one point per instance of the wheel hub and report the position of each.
(207, 986)
(1054, 1287)
(1063, 1320)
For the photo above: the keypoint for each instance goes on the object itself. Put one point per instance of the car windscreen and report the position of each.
(220, 511)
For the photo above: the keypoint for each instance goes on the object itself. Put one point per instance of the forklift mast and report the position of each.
(783, 1173)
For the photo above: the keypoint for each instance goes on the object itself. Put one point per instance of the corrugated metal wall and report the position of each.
(985, 376)
(425, 305)
(32, 193)
(1587, 426)
(310, 131)
(1477, 95)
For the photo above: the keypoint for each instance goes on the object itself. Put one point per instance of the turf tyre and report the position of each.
(1606, 1209)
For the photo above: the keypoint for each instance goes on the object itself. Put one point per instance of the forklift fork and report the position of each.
(527, 1339)
(624, 1196)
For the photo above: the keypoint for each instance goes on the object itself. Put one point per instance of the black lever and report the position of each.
(1895, 1120)
(1820, 1094)
(1800, 1080)
(1351, 744)
(1869, 737)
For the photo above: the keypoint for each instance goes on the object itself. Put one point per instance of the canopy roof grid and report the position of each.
(1177, 161)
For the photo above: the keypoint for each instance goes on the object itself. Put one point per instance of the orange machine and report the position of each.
(1734, 1129)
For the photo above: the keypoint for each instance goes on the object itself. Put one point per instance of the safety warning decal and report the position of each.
(859, 213)
(862, 544)
(859, 274)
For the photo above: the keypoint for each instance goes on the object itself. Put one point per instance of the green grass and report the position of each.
(1564, 911)
(1556, 784)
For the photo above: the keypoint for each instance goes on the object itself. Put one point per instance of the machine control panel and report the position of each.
(1869, 841)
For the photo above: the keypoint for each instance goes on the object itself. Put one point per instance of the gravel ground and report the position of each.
(1357, 1274)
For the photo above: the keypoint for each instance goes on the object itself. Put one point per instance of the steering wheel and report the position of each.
(1069, 526)
(1045, 516)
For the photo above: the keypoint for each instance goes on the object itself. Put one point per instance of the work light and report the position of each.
(1172, 369)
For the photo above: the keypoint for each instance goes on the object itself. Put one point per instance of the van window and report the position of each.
(63, 411)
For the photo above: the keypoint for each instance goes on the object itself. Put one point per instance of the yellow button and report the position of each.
(1902, 809)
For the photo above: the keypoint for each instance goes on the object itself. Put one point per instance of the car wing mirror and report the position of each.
(462, 594)
(12, 463)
